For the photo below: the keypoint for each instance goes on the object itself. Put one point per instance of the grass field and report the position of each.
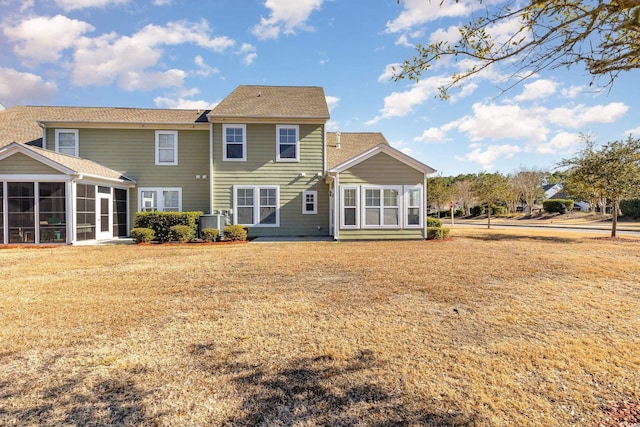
(489, 328)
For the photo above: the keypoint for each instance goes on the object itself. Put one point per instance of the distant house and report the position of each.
(262, 158)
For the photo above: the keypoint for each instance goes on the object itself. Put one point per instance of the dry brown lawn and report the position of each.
(489, 328)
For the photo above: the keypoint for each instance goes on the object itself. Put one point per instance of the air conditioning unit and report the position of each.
(212, 221)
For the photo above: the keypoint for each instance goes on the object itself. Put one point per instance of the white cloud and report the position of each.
(417, 12)
(402, 146)
(389, 71)
(633, 132)
(538, 89)
(399, 104)
(488, 157)
(504, 121)
(572, 91)
(68, 5)
(204, 70)
(162, 2)
(450, 35)
(42, 39)
(286, 16)
(432, 135)
(249, 52)
(580, 115)
(183, 104)
(403, 40)
(125, 59)
(562, 143)
(17, 88)
(332, 101)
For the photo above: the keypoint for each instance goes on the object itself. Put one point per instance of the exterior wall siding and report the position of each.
(381, 169)
(132, 152)
(21, 164)
(261, 168)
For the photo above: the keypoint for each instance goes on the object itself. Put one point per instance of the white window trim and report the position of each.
(175, 148)
(224, 142)
(73, 131)
(297, 129)
(381, 188)
(343, 188)
(160, 190)
(421, 214)
(304, 202)
(256, 204)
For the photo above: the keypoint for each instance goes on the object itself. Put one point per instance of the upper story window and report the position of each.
(166, 147)
(234, 143)
(67, 141)
(287, 144)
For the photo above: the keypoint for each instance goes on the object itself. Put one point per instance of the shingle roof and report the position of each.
(76, 164)
(351, 144)
(20, 124)
(302, 102)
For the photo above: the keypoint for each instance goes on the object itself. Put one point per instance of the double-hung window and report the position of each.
(382, 206)
(166, 147)
(287, 143)
(257, 206)
(234, 143)
(160, 199)
(413, 206)
(67, 141)
(309, 202)
(349, 215)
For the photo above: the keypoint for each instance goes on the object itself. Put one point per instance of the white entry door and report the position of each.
(104, 217)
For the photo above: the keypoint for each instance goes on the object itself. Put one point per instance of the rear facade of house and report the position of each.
(261, 158)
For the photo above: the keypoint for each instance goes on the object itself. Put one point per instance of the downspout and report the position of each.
(336, 206)
(424, 206)
(211, 168)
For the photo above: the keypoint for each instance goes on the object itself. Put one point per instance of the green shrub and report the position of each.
(235, 232)
(161, 222)
(437, 233)
(477, 210)
(630, 208)
(210, 234)
(557, 205)
(142, 235)
(498, 210)
(181, 233)
(433, 222)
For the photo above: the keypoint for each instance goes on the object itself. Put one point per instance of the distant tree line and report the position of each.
(601, 176)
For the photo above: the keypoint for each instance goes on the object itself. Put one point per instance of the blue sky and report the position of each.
(185, 54)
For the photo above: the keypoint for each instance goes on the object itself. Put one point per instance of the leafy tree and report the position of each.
(439, 192)
(466, 196)
(612, 171)
(602, 35)
(527, 183)
(491, 188)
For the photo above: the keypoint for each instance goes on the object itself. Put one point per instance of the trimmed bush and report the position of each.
(433, 222)
(235, 232)
(630, 208)
(477, 210)
(161, 222)
(557, 205)
(142, 235)
(210, 234)
(181, 233)
(437, 233)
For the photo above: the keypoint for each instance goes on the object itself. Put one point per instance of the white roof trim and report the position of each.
(14, 147)
(386, 149)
